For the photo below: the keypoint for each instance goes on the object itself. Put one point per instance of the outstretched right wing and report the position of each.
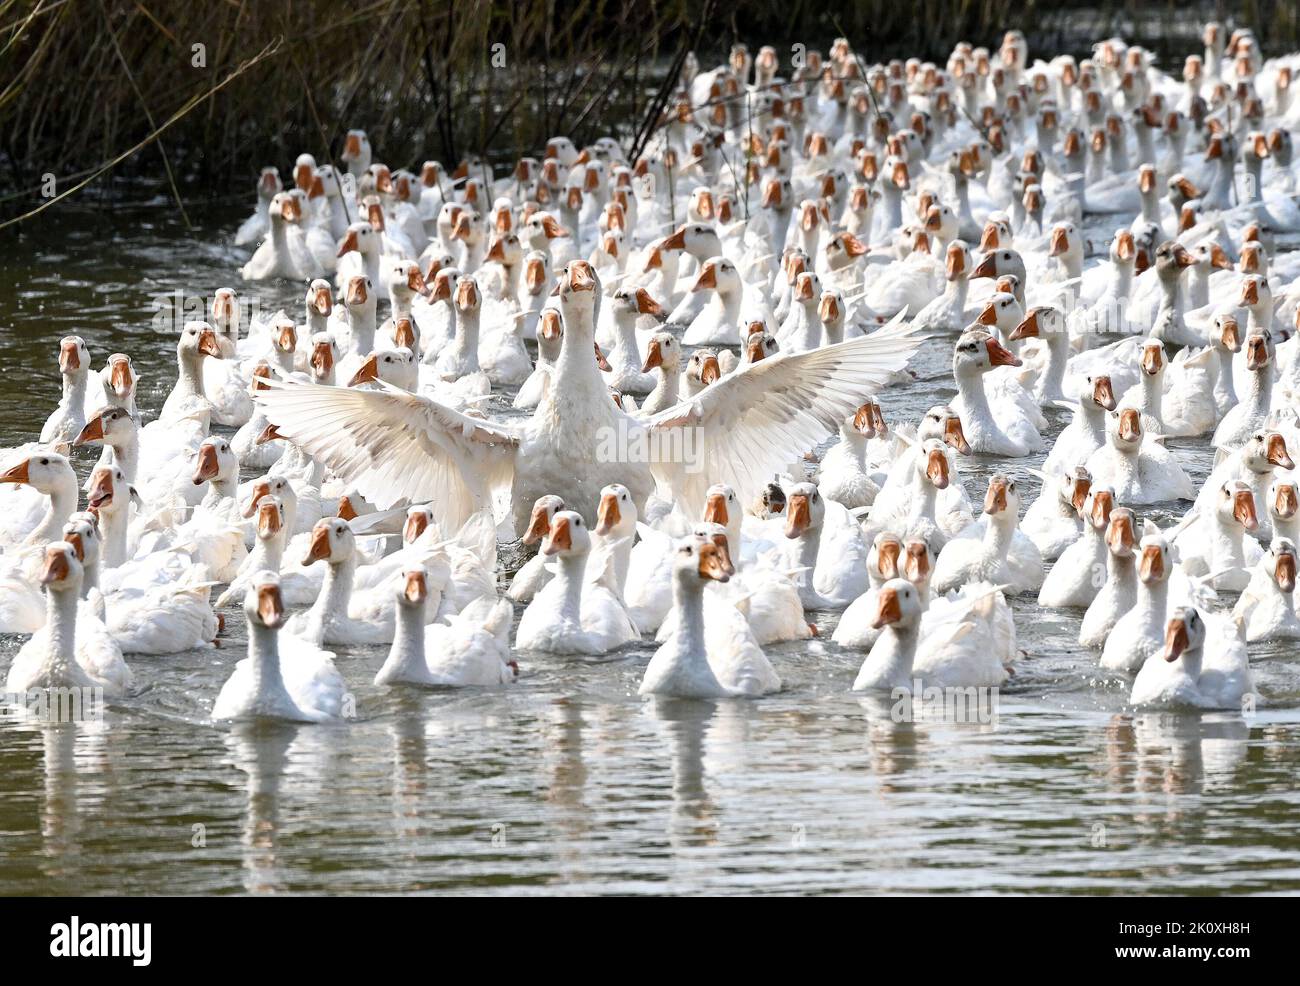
(392, 445)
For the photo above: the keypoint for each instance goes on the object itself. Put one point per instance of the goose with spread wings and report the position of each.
(392, 445)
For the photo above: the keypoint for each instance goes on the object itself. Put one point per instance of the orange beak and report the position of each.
(208, 466)
(346, 510)
(17, 474)
(319, 548)
(349, 243)
(1256, 353)
(417, 523)
(799, 515)
(1287, 501)
(607, 514)
(208, 344)
(268, 519)
(1277, 452)
(69, 357)
(368, 372)
(1060, 242)
(888, 610)
(713, 563)
(995, 500)
(404, 334)
(708, 277)
(560, 537)
(1102, 393)
(1284, 572)
(1243, 509)
(1027, 329)
(1175, 640)
(999, 355)
(1130, 425)
(715, 509)
(936, 468)
(92, 432)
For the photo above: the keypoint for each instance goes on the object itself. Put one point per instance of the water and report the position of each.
(568, 781)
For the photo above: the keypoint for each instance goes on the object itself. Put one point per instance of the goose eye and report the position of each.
(45, 462)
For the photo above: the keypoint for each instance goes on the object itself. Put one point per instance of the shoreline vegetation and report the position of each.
(200, 96)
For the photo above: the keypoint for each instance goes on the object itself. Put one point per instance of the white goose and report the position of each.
(701, 661)
(473, 650)
(1185, 674)
(282, 677)
(1267, 605)
(340, 615)
(952, 658)
(570, 614)
(54, 657)
(1118, 593)
(1002, 555)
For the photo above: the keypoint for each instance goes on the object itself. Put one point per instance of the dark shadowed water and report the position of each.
(568, 781)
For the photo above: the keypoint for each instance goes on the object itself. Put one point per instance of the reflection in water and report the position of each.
(261, 750)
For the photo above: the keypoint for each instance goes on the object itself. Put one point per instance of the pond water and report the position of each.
(568, 781)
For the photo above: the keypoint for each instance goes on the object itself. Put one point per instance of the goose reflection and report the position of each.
(261, 750)
(1174, 753)
(694, 813)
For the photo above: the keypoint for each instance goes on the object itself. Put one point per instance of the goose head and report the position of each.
(1066, 242)
(109, 493)
(263, 604)
(807, 289)
(270, 517)
(722, 507)
(1121, 532)
(324, 357)
(269, 183)
(578, 287)
(1154, 555)
(215, 461)
(285, 207)
(932, 462)
(718, 536)
(1124, 429)
(419, 518)
(568, 535)
(663, 351)
(634, 302)
(1283, 498)
(1002, 499)
(61, 569)
(1255, 293)
(319, 301)
(1226, 334)
(957, 261)
(698, 239)
(544, 510)
(469, 228)
(805, 511)
(1265, 451)
(898, 605)
(412, 588)
(332, 541)
(226, 310)
(1098, 506)
(45, 472)
(197, 340)
(406, 280)
(107, 426)
(82, 532)
(119, 378)
(942, 422)
(1043, 320)
(362, 237)
(616, 513)
(1254, 260)
(1259, 350)
(917, 562)
(842, 249)
(1073, 486)
(359, 297)
(268, 486)
(1235, 506)
(759, 343)
(1123, 249)
(396, 367)
(1208, 257)
(883, 557)
(699, 559)
(703, 368)
(1151, 358)
(1096, 391)
(356, 151)
(74, 357)
(1280, 562)
(995, 235)
(718, 274)
(977, 352)
(1184, 633)
(1000, 262)
(505, 249)
(284, 338)
(868, 421)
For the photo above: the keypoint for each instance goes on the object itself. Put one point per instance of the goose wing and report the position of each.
(393, 445)
(750, 425)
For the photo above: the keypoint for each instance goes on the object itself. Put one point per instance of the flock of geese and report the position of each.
(706, 317)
